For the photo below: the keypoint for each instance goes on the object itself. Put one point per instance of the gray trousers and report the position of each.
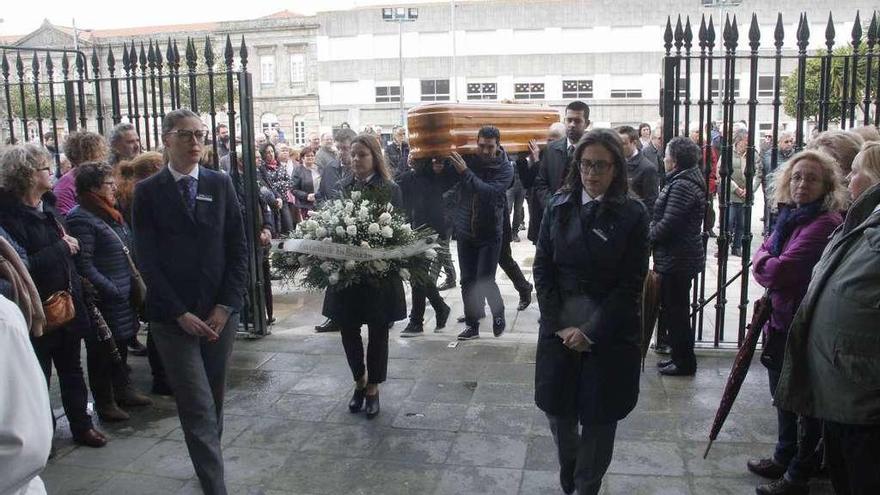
(585, 454)
(196, 371)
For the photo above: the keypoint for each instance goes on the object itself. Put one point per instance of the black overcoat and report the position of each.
(596, 257)
(381, 301)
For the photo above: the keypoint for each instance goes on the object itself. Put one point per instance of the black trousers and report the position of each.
(674, 303)
(267, 287)
(586, 453)
(62, 347)
(478, 262)
(422, 292)
(512, 269)
(444, 257)
(852, 453)
(516, 196)
(377, 351)
(156, 366)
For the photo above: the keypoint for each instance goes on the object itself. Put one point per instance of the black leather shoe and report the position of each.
(327, 326)
(766, 468)
(673, 370)
(413, 329)
(566, 479)
(525, 298)
(443, 316)
(357, 400)
(782, 487)
(90, 438)
(663, 349)
(372, 406)
(469, 333)
(664, 363)
(498, 325)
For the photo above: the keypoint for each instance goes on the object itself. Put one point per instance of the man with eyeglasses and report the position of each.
(190, 244)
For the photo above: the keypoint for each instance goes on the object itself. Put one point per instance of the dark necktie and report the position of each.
(187, 186)
(570, 152)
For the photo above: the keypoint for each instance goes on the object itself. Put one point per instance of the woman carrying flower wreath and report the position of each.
(377, 302)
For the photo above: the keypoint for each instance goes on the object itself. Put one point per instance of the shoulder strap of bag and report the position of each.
(63, 234)
(125, 250)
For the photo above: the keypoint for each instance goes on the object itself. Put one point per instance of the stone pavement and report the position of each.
(455, 420)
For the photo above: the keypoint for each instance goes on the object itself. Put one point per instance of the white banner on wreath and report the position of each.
(347, 252)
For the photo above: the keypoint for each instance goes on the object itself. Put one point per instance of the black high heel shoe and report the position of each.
(372, 406)
(357, 400)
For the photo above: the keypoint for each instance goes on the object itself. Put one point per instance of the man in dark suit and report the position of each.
(191, 249)
(640, 172)
(546, 171)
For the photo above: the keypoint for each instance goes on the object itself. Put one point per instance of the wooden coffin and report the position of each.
(437, 129)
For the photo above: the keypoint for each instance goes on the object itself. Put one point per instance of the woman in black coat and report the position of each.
(591, 261)
(676, 236)
(305, 181)
(28, 214)
(103, 260)
(377, 304)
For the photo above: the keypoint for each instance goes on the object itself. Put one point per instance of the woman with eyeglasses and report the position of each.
(28, 214)
(810, 195)
(676, 238)
(590, 264)
(103, 260)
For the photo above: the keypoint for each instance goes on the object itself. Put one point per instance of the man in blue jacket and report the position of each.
(190, 244)
(478, 221)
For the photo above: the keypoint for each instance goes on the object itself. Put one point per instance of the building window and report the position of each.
(482, 91)
(268, 122)
(299, 131)
(267, 69)
(297, 68)
(765, 86)
(626, 93)
(435, 90)
(528, 91)
(577, 88)
(713, 87)
(385, 94)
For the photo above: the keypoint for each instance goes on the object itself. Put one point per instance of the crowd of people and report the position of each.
(87, 251)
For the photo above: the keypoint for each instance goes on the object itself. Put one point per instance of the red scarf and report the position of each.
(271, 165)
(100, 206)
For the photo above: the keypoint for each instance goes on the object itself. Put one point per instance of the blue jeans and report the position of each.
(735, 221)
(478, 261)
(797, 441)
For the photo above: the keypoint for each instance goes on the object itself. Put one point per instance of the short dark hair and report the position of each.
(629, 131)
(609, 140)
(684, 152)
(344, 135)
(91, 175)
(265, 147)
(579, 106)
(489, 132)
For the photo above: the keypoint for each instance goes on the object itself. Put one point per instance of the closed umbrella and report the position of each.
(650, 309)
(740, 367)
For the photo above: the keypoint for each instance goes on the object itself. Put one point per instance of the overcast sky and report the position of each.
(22, 17)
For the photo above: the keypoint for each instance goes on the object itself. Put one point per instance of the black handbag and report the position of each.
(773, 352)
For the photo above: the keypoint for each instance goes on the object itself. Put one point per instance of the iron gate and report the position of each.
(150, 82)
(848, 94)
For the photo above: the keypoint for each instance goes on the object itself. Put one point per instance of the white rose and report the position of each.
(387, 232)
(365, 244)
(389, 207)
(373, 228)
(385, 218)
(340, 231)
(327, 239)
(355, 195)
(350, 265)
(320, 232)
(352, 230)
(431, 254)
(404, 274)
(407, 228)
(308, 237)
(349, 221)
(333, 279)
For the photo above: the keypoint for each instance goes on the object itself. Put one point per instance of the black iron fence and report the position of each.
(138, 83)
(830, 87)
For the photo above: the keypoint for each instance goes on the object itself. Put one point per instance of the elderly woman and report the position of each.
(375, 304)
(591, 261)
(28, 215)
(831, 371)
(276, 177)
(810, 195)
(104, 260)
(80, 147)
(843, 146)
(306, 181)
(678, 249)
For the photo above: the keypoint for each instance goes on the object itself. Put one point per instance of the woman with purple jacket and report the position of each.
(810, 195)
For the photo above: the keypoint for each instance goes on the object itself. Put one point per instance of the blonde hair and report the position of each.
(870, 164)
(833, 191)
(868, 133)
(18, 163)
(843, 146)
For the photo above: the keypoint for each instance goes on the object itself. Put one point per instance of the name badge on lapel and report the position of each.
(599, 233)
(205, 197)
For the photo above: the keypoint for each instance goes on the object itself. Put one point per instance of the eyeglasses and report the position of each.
(806, 179)
(188, 134)
(598, 167)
